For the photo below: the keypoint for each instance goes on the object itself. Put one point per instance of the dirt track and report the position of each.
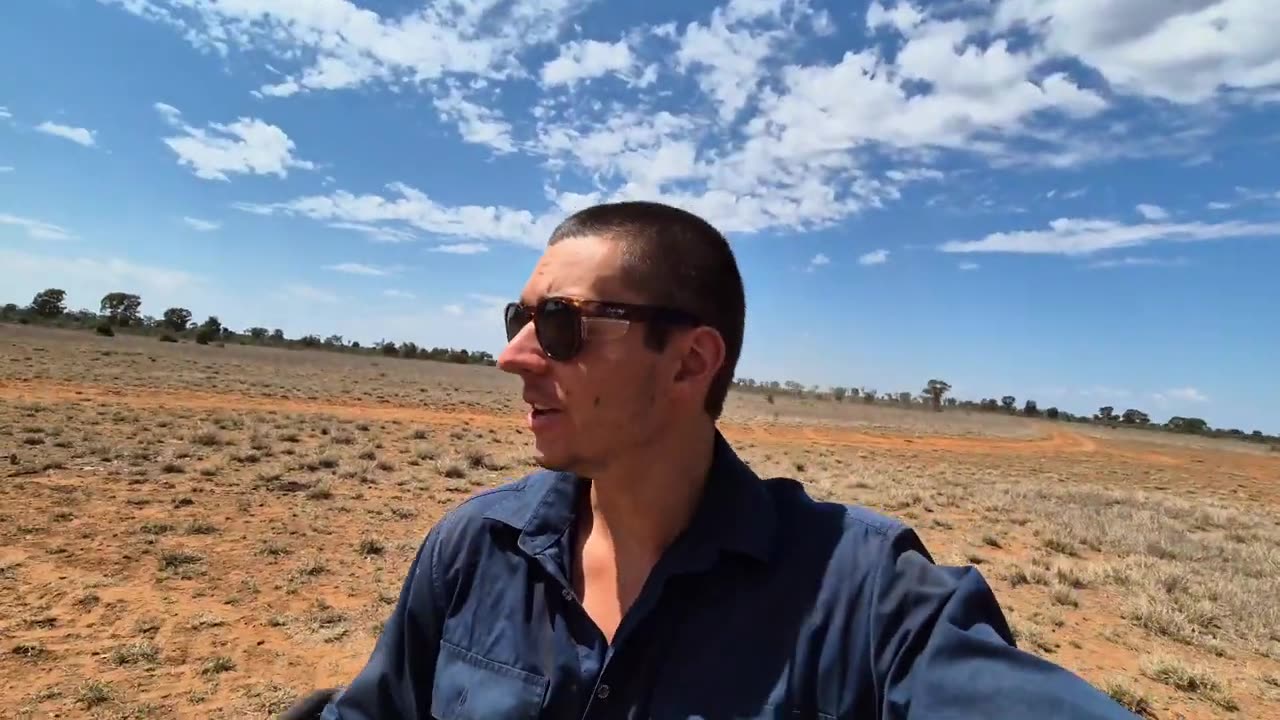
(1259, 474)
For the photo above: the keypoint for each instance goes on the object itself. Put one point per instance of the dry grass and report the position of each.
(180, 553)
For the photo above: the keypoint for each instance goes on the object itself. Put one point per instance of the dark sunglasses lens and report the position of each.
(558, 327)
(516, 318)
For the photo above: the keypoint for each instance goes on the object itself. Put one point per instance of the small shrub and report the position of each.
(105, 330)
(371, 546)
(168, 337)
(1064, 595)
(455, 471)
(135, 653)
(173, 559)
(217, 665)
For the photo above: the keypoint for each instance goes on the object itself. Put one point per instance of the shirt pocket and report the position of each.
(468, 686)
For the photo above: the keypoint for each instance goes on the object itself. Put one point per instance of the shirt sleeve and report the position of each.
(396, 682)
(944, 651)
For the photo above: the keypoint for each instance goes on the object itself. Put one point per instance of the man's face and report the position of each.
(608, 401)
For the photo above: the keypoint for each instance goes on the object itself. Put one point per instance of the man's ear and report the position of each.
(701, 357)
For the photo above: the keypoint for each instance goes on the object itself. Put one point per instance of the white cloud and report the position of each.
(476, 123)
(246, 146)
(307, 294)
(818, 261)
(6, 168)
(775, 139)
(353, 268)
(584, 60)
(376, 233)
(414, 208)
(201, 225)
(1184, 52)
(1082, 236)
(1152, 212)
(1216, 205)
(82, 136)
(903, 17)
(87, 279)
(875, 257)
(346, 45)
(399, 294)
(4, 113)
(171, 114)
(37, 229)
(1182, 395)
(461, 248)
(454, 309)
(969, 266)
(1139, 262)
(729, 59)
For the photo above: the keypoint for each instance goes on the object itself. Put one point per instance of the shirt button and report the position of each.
(602, 692)
(567, 594)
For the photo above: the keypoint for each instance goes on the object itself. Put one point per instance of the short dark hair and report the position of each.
(674, 258)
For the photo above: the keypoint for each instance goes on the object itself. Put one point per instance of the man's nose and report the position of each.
(523, 354)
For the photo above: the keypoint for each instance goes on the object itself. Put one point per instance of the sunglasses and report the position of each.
(560, 322)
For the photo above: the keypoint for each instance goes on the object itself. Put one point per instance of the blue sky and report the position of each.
(1074, 201)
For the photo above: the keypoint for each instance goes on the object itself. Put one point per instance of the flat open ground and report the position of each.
(193, 531)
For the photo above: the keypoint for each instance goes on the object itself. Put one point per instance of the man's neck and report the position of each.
(633, 512)
(639, 507)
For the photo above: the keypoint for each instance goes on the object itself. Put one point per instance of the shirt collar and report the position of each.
(735, 512)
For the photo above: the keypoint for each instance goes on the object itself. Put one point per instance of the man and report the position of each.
(647, 571)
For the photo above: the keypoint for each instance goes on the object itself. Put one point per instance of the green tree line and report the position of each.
(934, 397)
(122, 312)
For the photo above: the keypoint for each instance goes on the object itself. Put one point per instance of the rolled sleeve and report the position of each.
(943, 649)
(396, 681)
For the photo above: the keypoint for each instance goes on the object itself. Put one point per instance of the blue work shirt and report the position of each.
(769, 605)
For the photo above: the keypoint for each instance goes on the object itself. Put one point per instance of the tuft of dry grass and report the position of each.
(1133, 700)
(1189, 679)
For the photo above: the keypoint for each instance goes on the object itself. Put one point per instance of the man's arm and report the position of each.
(396, 682)
(943, 649)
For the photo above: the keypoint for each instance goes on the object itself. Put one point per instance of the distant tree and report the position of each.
(408, 350)
(1106, 414)
(935, 389)
(121, 308)
(1187, 425)
(258, 333)
(904, 398)
(1008, 401)
(104, 328)
(1135, 417)
(389, 348)
(1052, 413)
(213, 324)
(176, 318)
(854, 392)
(794, 387)
(355, 344)
(49, 303)
(205, 335)
(951, 402)
(277, 335)
(869, 396)
(1031, 409)
(311, 340)
(839, 393)
(334, 340)
(9, 310)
